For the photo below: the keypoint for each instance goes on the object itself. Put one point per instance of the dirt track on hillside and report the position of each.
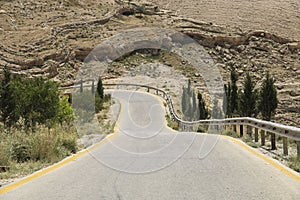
(281, 17)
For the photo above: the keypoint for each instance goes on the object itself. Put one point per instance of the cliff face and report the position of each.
(52, 38)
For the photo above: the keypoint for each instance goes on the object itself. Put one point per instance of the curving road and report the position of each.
(147, 160)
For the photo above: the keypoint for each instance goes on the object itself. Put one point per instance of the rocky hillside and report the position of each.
(51, 38)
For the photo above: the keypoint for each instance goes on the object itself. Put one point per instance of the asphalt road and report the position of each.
(147, 160)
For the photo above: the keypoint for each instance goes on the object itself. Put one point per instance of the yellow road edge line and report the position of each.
(65, 161)
(278, 166)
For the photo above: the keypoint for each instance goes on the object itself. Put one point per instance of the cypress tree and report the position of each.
(7, 101)
(234, 89)
(100, 88)
(216, 112)
(203, 111)
(248, 98)
(228, 94)
(194, 106)
(268, 101)
(183, 101)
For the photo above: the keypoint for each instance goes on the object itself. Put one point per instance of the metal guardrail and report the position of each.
(266, 126)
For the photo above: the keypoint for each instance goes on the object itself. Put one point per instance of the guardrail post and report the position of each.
(285, 145)
(249, 130)
(273, 141)
(241, 130)
(263, 137)
(148, 89)
(256, 135)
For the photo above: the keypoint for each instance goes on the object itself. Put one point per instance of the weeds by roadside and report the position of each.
(22, 153)
(172, 124)
(292, 161)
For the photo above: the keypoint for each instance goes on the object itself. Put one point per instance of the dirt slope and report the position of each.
(281, 17)
(51, 38)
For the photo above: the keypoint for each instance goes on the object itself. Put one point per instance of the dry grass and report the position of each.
(22, 153)
(291, 161)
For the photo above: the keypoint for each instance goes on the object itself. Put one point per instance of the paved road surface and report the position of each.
(146, 160)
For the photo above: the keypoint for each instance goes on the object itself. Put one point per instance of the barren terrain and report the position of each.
(51, 38)
(281, 17)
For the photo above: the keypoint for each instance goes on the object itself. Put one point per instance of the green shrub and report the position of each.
(70, 143)
(249, 140)
(230, 133)
(201, 129)
(107, 97)
(20, 152)
(294, 163)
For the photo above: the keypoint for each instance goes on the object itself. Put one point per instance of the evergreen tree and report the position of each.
(189, 87)
(268, 101)
(7, 101)
(98, 103)
(248, 98)
(194, 107)
(233, 92)
(216, 111)
(189, 103)
(203, 111)
(227, 100)
(100, 89)
(183, 101)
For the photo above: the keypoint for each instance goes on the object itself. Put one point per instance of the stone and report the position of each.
(241, 48)
(218, 48)
(294, 46)
(279, 87)
(294, 93)
(240, 71)
(197, 75)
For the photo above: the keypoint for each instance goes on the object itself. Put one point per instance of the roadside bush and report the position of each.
(201, 129)
(294, 163)
(70, 143)
(4, 154)
(230, 133)
(20, 152)
(40, 143)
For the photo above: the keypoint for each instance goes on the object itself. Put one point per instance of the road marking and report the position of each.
(67, 160)
(278, 166)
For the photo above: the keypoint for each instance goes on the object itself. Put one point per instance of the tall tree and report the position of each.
(234, 89)
(227, 103)
(183, 101)
(216, 111)
(38, 101)
(268, 100)
(194, 107)
(248, 98)
(7, 101)
(203, 111)
(100, 89)
(189, 103)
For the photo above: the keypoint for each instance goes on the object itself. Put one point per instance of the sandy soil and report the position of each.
(276, 16)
